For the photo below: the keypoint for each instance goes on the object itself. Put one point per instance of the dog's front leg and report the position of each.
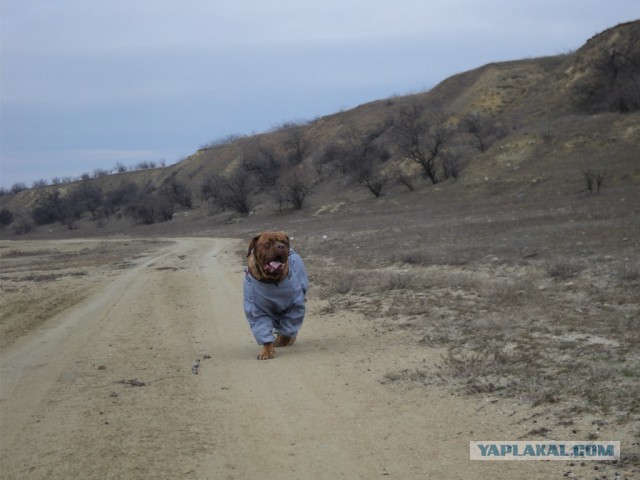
(268, 351)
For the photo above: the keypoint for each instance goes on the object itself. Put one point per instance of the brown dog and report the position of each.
(274, 291)
(269, 256)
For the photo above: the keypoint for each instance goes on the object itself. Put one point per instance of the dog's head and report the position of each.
(269, 256)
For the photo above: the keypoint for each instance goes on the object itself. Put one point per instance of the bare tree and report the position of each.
(101, 172)
(6, 217)
(229, 191)
(87, 196)
(123, 194)
(238, 192)
(296, 144)
(212, 190)
(145, 165)
(361, 152)
(612, 83)
(18, 187)
(421, 141)
(150, 208)
(481, 128)
(51, 207)
(293, 190)
(262, 162)
(593, 180)
(178, 192)
(450, 166)
(375, 183)
(406, 180)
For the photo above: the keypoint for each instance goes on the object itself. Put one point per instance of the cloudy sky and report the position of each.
(86, 84)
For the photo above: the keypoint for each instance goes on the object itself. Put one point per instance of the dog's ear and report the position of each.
(253, 244)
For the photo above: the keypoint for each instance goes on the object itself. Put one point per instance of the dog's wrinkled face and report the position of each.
(269, 256)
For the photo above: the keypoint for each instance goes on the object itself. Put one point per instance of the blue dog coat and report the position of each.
(276, 306)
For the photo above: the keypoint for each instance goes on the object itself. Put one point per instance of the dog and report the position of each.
(275, 287)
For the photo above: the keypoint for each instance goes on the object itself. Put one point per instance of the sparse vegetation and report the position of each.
(18, 187)
(263, 162)
(22, 226)
(293, 191)
(481, 128)
(506, 331)
(229, 191)
(375, 184)
(457, 130)
(614, 80)
(421, 140)
(177, 192)
(150, 208)
(6, 217)
(593, 180)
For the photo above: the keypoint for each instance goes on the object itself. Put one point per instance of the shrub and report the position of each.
(423, 141)
(293, 191)
(374, 183)
(563, 270)
(612, 82)
(229, 191)
(18, 187)
(593, 180)
(406, 180)
(149, 209)
(23, 226)
(87, 196)
(177, 192)
(6, 217)
(50, 207)
(263, 162)
(124, 194)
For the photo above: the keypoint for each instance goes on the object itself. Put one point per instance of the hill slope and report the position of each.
(530, 127)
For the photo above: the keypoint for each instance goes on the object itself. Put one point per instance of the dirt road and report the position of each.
(105, 390)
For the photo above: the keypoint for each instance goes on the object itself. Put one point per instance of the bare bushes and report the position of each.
(509, 330)
(292, 191)
(88, 200)
(423, 140)
(593, 180)
(232, 192)
(564, 269)
(612, 82)
(150, 208)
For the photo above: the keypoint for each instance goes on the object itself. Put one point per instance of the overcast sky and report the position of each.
(89, 83)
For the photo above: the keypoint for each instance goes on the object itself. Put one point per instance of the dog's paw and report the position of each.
(283, 341)
(268, 352)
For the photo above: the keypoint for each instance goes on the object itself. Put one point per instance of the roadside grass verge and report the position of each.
(563, 333)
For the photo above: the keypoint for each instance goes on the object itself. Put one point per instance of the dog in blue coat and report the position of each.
(275, 286)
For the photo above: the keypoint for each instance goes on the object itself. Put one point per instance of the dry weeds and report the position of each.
(537, 309)
(40, 279)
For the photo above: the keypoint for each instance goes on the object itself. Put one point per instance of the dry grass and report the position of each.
(543, 310)
(41, 279)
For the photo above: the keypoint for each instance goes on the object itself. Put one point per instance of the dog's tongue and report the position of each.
(274, 266)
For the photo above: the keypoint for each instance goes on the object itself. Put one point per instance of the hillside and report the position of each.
(534, 128)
